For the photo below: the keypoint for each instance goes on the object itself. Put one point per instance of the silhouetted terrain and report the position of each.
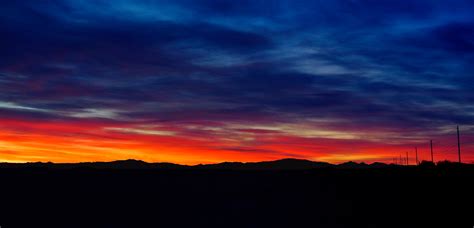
(284, 193)
(283, 164)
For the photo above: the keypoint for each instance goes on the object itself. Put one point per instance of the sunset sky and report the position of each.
(190, 82)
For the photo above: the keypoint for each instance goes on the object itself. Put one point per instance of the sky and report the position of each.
(205, 81)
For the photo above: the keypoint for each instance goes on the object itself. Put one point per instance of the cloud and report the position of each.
(97, 113)
(11, 105)
(140, 131)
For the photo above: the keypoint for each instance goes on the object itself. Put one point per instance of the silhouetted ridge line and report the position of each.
(120, 164)
(287, 164)
(283, 164)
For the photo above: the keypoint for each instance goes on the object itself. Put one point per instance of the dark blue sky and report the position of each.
(390, 72)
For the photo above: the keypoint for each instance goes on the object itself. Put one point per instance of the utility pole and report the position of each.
(431, 146)
(416, 156)
(407, 159)
(401, 163)
(459, 146)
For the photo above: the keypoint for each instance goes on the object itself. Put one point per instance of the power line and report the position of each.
(407, 159)
(431, 146)
(459, 146)
(445, 149)
(416, 156)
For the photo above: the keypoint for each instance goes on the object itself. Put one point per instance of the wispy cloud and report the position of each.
(12, 105)
(140, 131)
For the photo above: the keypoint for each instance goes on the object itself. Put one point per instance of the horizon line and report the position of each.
(216, 163)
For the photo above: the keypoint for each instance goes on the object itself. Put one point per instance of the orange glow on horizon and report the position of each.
(86, 141)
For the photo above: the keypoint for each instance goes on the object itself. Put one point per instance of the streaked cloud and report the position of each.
(97, 113)
(12, 105)
(140, 131)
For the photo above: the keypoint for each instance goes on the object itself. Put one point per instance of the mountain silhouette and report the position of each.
(282, 164)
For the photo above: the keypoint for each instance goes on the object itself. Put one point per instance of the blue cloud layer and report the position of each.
(391, 64)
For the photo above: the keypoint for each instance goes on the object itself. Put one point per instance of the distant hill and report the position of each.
(283, 164)
(121, 164)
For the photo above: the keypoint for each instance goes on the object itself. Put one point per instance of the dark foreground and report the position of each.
(326, 197)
